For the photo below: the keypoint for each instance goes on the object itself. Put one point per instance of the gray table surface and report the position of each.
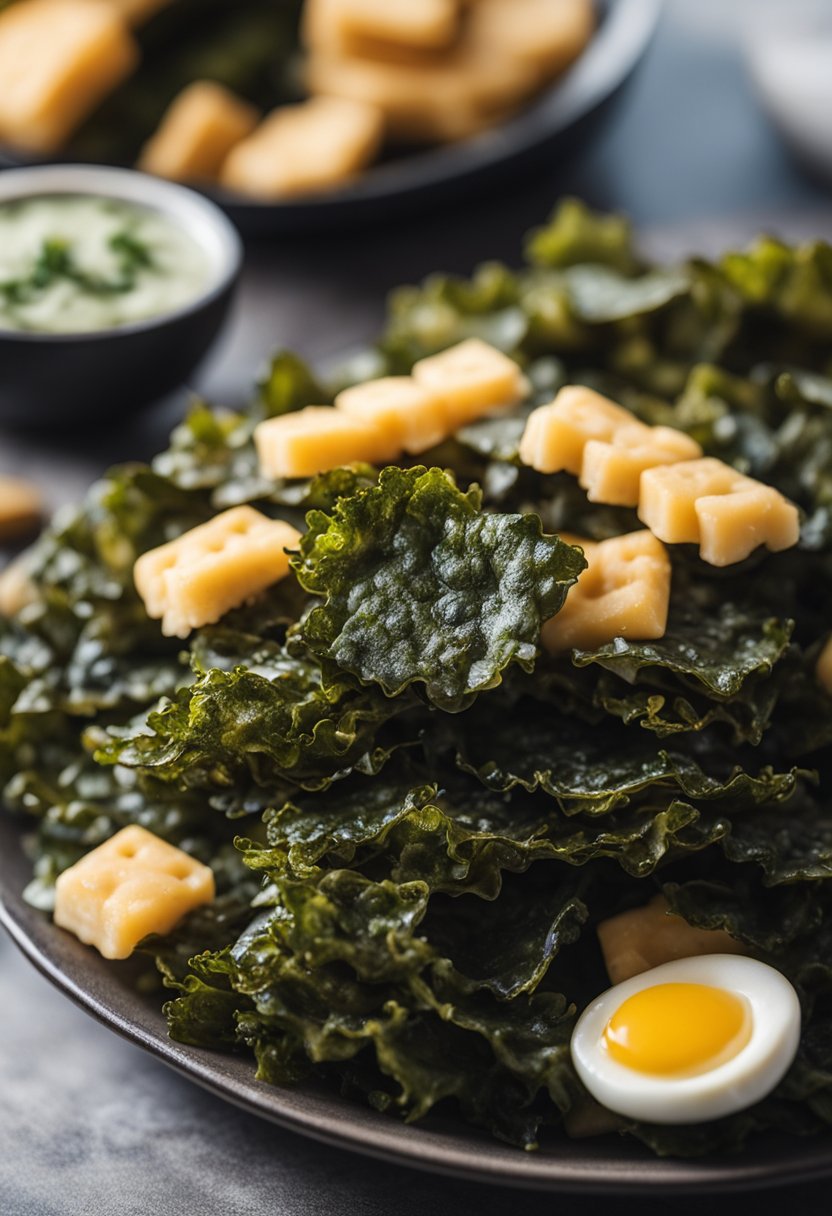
(90, 1125)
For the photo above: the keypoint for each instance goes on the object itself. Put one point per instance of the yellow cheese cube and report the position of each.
(409, 23)
(319, 438)
(197, 132)
(132, 885)
(708, 503)
(544, 35)
(557, 434)
(299, 149)
(58, 60)
(444, 99)
(21, 507)
(624, 592)
(824, 668)
(611, 471)
(472, 379)
(16, 587)
(413, 417)
(195, 579)
(643, 938)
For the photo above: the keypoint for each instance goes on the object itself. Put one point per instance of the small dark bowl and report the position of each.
(71, 380)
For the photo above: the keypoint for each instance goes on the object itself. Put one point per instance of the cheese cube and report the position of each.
(16, 588)
(611, 471)
(443, 100)
(21, 507)
(58, 60)
(197, 132)
(824, 667)
(413, 417)
(708, 503)
(132, 885)
(319, 438)
(557, 434)
(299, 149)
(624, 592)
(643, 938)
(471, 379)
(544, 35)
(408, 23)
(195, 579)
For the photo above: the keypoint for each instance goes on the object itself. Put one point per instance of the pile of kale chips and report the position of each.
(415, 817)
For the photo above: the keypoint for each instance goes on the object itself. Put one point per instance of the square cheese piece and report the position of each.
(624, 592)
(824, 668)
(300, 149)
(429, 100)
(195, 579)
(422, 24)
(472, 379)
(58, 60)
(132, 885)
(318, 438)
(411, 415)
(21, 507)
(544, 35)
(197, 132)
(642, 938)
(611, 471)
(557, 434)
(708, 503)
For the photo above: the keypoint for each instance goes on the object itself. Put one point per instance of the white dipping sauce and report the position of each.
(93, 284)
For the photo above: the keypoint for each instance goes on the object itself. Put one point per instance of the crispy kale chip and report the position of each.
(422, 586)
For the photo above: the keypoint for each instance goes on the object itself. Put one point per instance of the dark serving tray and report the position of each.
(443, 1146)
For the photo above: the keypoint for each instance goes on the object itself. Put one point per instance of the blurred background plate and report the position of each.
(570, 110)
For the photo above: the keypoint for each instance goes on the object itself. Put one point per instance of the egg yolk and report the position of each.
(678, 1029)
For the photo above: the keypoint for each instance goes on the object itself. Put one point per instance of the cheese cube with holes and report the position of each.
(199, 129)
(58, 60)
(320, 438)
(426, 24)
(611, 471)
(544, 35)
(411, 415)
(708, 503)
(824, 668)
(643, 938)
(624, 592)
(21, 507)
(471, 379)
(195, 579)
(313, 146)
(556, 434)
(132, 885)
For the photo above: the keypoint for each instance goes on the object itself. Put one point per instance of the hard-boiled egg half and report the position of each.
(690, 1040)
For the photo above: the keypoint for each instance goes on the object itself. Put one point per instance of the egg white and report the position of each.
(729, 1087)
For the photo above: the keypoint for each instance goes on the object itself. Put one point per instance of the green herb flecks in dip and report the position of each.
(76, 264)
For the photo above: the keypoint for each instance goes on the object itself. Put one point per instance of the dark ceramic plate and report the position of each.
(604, 1165)
(557, 120)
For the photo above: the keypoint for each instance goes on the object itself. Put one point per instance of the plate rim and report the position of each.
(346, 1124)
